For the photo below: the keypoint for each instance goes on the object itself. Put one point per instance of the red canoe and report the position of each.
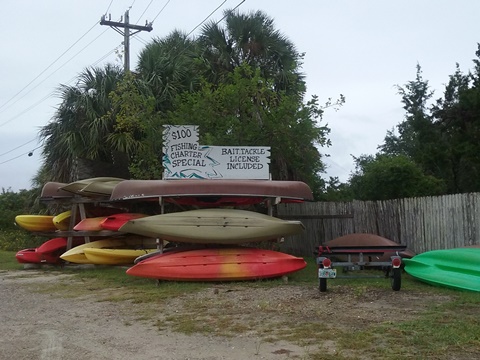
(362, 239)
(218, 264)
(114, 222)
(212, 192)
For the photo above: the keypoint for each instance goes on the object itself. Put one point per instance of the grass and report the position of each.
(444, 327)
(8, 261)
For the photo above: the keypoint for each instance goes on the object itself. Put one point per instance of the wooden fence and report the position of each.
(423, 224)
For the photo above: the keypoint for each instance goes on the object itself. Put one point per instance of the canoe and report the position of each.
(99, 186)
(52, 191)
(100, 256)
(457, 268)
(201, 191)
(62, 220)
(77, 254)
(35, 222)
(363, 239)
(218, 264)
(213, 226)
(90, 224)
(114, 222)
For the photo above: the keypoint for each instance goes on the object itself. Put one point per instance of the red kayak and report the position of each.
(90, 224)
(218, 264)
(28, 256)
(32, 256)
(114, 222)
(47, 253)
(58, 244)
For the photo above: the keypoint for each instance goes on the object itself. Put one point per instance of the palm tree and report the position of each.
(251, 39)
(78, 131)
(168, 67)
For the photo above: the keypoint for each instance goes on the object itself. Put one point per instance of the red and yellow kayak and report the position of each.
(218, 264)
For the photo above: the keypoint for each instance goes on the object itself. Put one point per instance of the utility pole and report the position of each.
(126, 26)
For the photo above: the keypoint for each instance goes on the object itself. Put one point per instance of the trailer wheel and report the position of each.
(323, 285)
(396, 279)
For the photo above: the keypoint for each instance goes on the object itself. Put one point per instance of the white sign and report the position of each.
(240, 162)
(183, 157)
(181, 152)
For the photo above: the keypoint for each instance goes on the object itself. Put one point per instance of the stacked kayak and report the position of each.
(217, 264)
(213, 226)
(217, 234)
(209, 244)
(102, 255)
(49, 252)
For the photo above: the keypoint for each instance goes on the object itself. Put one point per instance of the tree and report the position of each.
(249, 92)
(391, 177)
(169, 66)
(458, 120)
(443, 138)
(253, 40)
(245, 110)
(418, 138)
(79, 129)
(136, 128)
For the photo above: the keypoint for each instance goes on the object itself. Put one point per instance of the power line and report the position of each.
(18, 147)
(144, 11)
(29, 153)
(108, 8)
(218, 7)
(48, 67)
(45, 79)
(101, 59)
(161, 10)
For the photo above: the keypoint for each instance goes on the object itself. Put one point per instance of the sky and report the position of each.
(361, 49)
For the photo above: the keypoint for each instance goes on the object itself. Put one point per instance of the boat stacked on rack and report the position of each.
(217, 231)
(205, 244)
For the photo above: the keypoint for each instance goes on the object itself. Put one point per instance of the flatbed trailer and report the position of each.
(358, 258)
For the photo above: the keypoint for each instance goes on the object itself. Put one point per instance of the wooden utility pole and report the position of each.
(126, 26)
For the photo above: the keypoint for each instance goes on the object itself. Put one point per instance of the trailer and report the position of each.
(356, 258)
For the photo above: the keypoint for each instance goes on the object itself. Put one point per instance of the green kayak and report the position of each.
(457, 268)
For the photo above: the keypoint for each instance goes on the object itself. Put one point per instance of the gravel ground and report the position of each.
(38, 325)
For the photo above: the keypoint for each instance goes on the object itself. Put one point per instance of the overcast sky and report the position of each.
(360, 49)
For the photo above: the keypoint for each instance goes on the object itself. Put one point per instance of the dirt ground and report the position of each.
(37, 325)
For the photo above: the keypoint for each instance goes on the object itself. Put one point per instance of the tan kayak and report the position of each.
(213, 226)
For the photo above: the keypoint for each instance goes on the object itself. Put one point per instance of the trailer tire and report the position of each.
(396, 279)
(322, 285)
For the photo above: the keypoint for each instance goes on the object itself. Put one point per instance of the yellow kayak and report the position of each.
(77, 254)
(114, 256)
(62, 220)
(35, 222)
